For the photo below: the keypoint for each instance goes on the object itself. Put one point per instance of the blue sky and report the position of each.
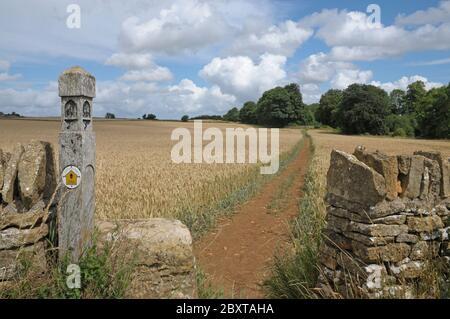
(203, 57)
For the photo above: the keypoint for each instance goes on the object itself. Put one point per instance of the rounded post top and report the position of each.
(76, 69)
(76, 81)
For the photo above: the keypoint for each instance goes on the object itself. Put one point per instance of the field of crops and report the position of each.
(135, 175)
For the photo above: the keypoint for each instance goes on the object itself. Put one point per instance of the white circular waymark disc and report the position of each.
(71, 177)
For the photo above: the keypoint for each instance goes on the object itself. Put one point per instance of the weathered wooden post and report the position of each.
(76, 162)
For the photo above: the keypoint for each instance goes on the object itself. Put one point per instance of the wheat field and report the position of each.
(135, 177)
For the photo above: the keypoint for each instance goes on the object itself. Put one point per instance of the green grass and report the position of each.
(103, 275)
(205, 290)
(294, 273)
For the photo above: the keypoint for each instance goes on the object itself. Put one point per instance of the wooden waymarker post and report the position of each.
(76, 162)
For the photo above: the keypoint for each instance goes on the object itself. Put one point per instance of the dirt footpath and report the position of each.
(237, 255)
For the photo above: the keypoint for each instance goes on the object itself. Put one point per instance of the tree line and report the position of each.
(277, 107)
(359, 109)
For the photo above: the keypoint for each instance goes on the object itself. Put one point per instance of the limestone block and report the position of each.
(391, 220)
(407, 269)
(404, 164)
(337, 224)
(407, 238)
(444, 169)
(2, 170)
(23, 220)
(31, 173)
(424, 250)
(369, 240)
(393, 252)
(377, 230)
(385, 165)
(161, 250)
(414, 179)
(424, 224)
(334, 239)
(354, 181)
(15, 238)
(11, 174)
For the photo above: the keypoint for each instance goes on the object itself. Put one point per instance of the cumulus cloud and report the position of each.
(130, 60)
(344, 78)
(188, 97)
(404, 81)
(311, 93)
(185, 25)
(129, 99)
(5, 76)
(243, 78)
(320, 68)
(431, 15)
(158, 73)
(281, 39)
(30, 101)
(353, 37)
(140, 67)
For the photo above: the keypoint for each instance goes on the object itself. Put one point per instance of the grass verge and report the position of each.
(102, 275)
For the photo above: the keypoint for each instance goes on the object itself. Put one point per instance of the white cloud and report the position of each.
(130, 60)
(431, 15)
(184, 26)
(352, 37)
(404, 81)
(433, 62)
(281, 39)
(5, 76)
(156, 74)
(320, 68)
(140, 67)
(240, 76)
(311, 93)
(31, 102)
(344, 78)
(188, 97)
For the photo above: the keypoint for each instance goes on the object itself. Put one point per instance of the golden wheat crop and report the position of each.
(135, 175)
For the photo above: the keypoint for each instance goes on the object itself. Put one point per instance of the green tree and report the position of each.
(149, 116)
(401, 124)
(364, 109)
(280, 106)
(247, 114)
(275, 108)
(300, 114)
(413, 98)
(397, 98)
(328, 107)
(232, 115)
(185, 118)
(434, 120)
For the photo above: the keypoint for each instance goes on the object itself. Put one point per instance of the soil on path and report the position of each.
(237, 254)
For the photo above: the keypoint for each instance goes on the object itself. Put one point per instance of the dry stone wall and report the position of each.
(387, 220)
(159, 250)
(27, 184)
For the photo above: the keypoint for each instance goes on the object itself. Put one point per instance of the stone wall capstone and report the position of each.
(387, 219)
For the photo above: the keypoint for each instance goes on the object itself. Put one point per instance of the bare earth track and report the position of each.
(237, 254)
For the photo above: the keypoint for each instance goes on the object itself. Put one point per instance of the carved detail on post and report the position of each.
(77, 163)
